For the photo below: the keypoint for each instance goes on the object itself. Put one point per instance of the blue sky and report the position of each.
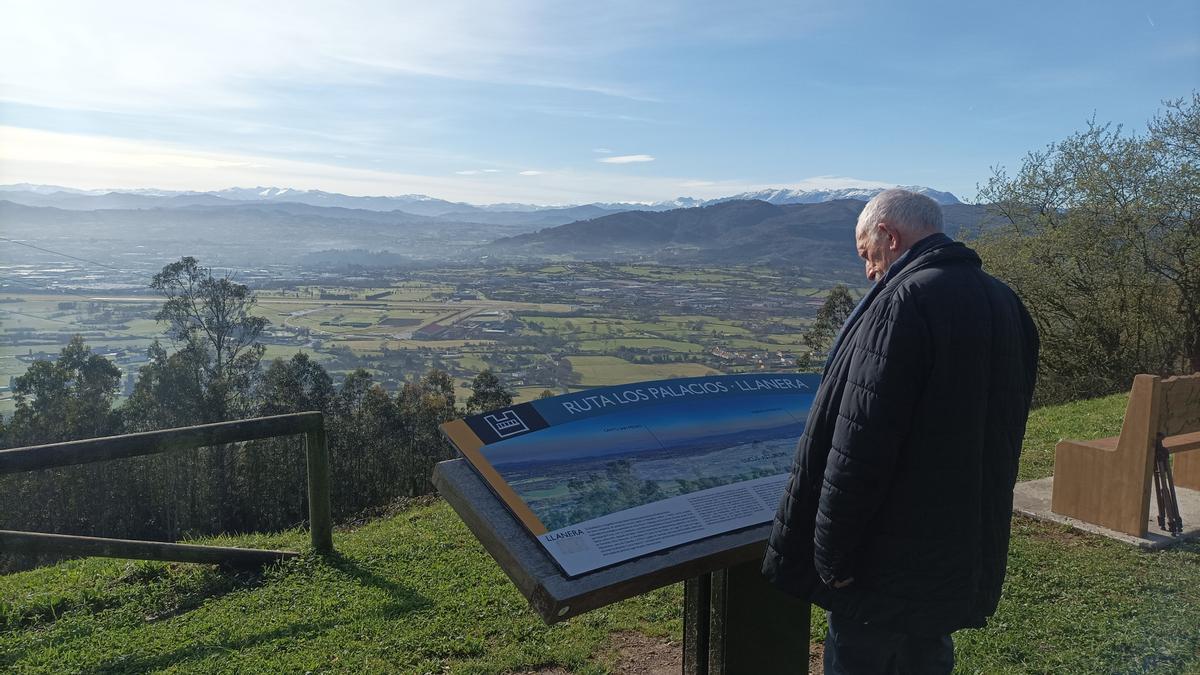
(555, 102)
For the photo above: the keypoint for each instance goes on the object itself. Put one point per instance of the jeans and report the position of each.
(854, 648)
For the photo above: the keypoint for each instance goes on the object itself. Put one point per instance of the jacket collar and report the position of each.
(924, 252)
(934, 248)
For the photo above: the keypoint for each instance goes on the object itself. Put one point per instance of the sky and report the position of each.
(569, 102)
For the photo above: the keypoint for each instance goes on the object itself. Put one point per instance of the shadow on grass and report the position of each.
(197, 652)
(402, 600)
(181, 594)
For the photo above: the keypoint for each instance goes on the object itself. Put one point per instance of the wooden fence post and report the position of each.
(320, 522)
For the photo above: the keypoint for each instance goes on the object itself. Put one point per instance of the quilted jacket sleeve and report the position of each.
(890, 363)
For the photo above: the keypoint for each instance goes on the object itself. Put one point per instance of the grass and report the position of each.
(1078, 603)
(1083, 420)
(414, 592)
(410, 593)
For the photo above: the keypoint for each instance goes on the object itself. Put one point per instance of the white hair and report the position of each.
(910, 212)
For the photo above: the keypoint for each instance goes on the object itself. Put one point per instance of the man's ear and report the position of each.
(893, 240)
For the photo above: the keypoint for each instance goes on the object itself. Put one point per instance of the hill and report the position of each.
(814, 236)
(413, 592)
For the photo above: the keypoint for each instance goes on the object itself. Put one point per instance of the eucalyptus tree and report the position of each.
(209, 317)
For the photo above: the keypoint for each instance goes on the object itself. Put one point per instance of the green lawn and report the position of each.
(413, 592)
(410, 593)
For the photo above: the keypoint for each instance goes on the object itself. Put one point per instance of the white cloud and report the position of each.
(602, 151)
(138, 55)
(103, 162)
(626, 159)
(468, 172)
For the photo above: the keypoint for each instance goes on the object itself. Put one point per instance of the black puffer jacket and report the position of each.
(903, 478)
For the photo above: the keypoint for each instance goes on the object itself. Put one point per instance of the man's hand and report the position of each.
(843, 583)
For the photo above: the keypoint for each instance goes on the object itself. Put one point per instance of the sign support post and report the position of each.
(735, 622)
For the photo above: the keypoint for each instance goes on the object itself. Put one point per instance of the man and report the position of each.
(896, 517)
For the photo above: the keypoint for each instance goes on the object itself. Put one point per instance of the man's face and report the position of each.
(875, 250)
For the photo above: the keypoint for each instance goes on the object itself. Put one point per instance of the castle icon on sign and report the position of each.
(506, 423)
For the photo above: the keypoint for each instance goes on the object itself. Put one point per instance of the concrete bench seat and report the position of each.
(1107, 481)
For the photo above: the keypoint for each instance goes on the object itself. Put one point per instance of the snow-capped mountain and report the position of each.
(422, 205)
(69, 198)
(802, 196)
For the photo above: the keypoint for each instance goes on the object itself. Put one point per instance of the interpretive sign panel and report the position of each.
(606, 475)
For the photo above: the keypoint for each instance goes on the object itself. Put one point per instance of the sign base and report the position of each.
(736, 622)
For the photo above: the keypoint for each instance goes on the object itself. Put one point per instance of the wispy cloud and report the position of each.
(626, 159)
(581, 113)
(102, 162)
(532, 173)
(476, 172)
(132, 56)
(602, 151)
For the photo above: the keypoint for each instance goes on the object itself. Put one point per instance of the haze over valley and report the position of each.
(551, 298)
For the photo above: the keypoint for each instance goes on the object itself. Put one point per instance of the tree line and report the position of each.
(382, 446)
(1099, 234)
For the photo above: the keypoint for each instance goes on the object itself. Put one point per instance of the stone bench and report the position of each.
(1107, 481)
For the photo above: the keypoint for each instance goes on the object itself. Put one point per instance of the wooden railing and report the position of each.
(311, 424)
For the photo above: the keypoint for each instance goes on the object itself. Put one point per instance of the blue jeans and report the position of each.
(854, 648)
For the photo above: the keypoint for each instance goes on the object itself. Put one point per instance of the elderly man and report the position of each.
(896, 518)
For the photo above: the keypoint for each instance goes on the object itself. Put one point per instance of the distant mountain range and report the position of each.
(421, 205)
(806, 228)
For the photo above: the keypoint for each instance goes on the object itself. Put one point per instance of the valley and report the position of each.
(558, 327)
